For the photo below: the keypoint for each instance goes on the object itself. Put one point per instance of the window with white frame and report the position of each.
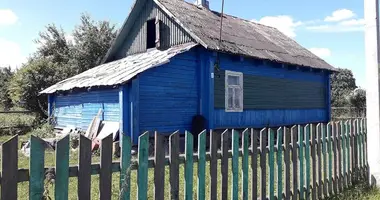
(234, 91)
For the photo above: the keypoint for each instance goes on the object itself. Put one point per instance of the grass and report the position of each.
(23, 122)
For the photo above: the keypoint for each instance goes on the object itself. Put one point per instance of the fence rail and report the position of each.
(311, 161)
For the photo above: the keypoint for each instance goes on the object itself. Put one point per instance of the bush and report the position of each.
(20, 123)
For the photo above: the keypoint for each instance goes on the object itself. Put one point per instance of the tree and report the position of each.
(342, 84)
(58, 58)
(28, 81)
(5, 76)
(91, 42)
(357, 98)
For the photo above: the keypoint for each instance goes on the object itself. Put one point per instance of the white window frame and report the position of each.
(240, 86)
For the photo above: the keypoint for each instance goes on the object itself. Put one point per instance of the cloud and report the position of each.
(10, 54)
(7, 17)
(283, 23)
(345, 26)
(340, 15)
(321, 52)
(353, 22)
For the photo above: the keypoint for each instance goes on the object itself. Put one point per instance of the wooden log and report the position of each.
(84, 168)
(9, 171)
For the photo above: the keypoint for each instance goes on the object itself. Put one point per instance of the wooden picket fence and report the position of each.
(304, 162)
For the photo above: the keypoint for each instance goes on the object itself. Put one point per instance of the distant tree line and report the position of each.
(56, 58)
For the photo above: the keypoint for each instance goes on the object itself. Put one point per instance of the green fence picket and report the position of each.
(301, 158)
(271, 164)
(344, 130)
(245, 165)
(235, 165)
(307, 157)
(324, 157)
(360, 130)
(201, 165)
(279, 162)
(62, 168)
(189, 166)
(124, 167)
(142, 171)
(9, 170)
(36, 167)
(348, 144)
(329, 145)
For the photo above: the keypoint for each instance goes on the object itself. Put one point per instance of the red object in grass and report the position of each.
(95, 144)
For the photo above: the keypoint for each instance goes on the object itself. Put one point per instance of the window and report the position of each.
(234, 91)
(151, 34)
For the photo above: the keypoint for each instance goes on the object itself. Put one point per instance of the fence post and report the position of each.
(142, 171)
(263, 163)
(189, 166)
(244, 144)
(235, 165)
(174, 165)
(201, 165)
(9, 165)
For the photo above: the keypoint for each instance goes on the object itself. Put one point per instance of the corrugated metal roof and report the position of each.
(240, 36)
(119, 71)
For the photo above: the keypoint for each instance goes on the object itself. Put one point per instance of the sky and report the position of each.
(331, 29)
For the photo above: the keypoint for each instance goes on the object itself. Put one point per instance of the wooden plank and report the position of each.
(125, 170)
(213, 165)
(336, 157)
(360, 130)
(254, 140)
(105, 174)
(189, 166)
(314, 161)
(235, 166)
(84, 171)
(9, 168)
(61, 190)
(319, 162)
(339, 158)
(224, 165)
(348, 151)
(263, 163)
(159, 167)
(279, 163)
(294, 160)
(354, 152)
(344, 155)
(307, 158)
(271, 163)
(174, 165)
(301, 159)
(287, 164)
(324, 158)
(36, 165)
(330, 154)
(201, 165)
(245, 165)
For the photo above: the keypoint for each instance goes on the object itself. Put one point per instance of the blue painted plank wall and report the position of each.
(169, 95)
(271, 117)
(78, 109)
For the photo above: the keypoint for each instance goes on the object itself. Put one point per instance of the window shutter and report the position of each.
(158, 31)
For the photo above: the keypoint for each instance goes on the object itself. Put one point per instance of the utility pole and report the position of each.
(371, 9)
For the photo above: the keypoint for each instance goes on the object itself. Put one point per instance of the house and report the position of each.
(170, 63)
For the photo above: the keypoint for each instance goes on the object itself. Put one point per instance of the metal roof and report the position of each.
(240, 36)
(119, 71)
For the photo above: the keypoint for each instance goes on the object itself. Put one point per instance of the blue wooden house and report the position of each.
(170, 63)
